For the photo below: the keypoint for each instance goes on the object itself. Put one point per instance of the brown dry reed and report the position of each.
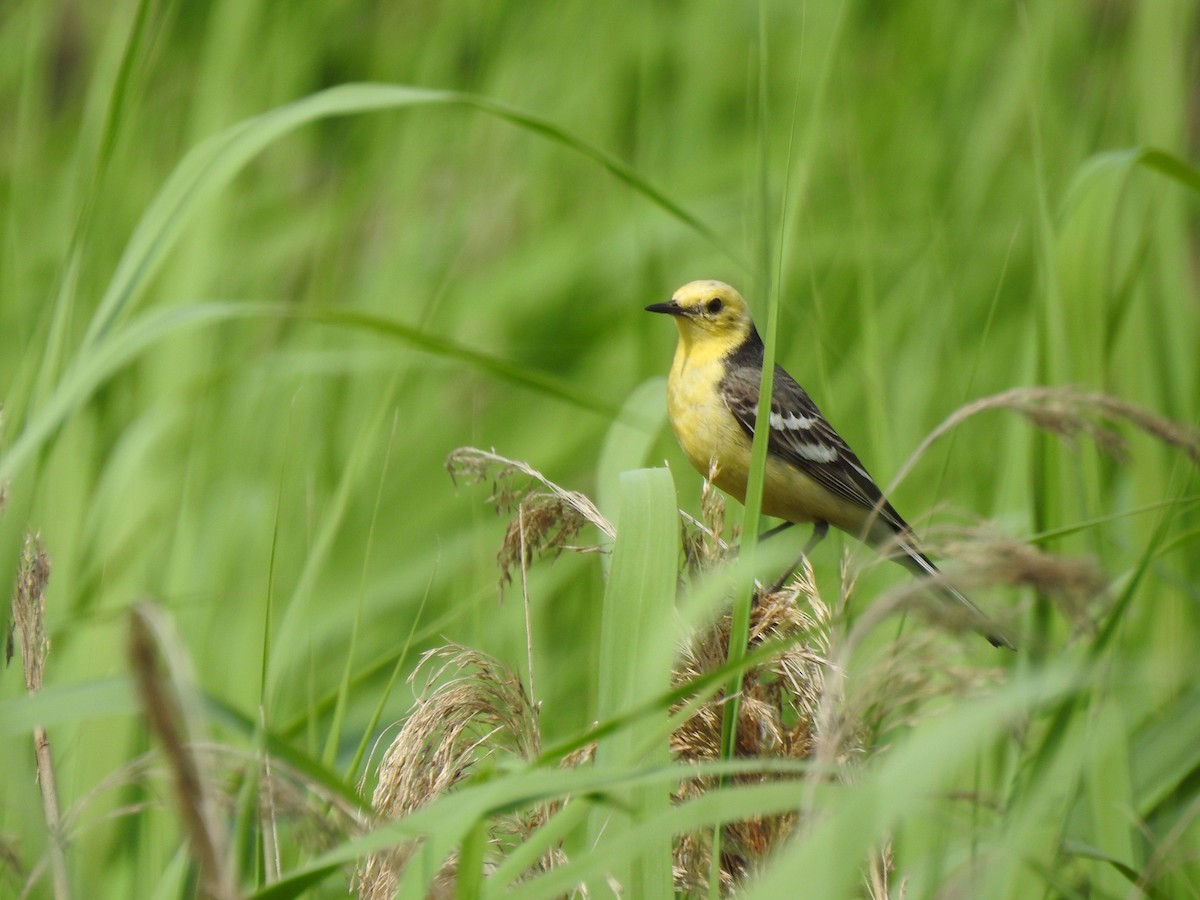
(29, 625)
(207, 777)
(544, 521)
(29, 611)
(469, 711)
(166, 714)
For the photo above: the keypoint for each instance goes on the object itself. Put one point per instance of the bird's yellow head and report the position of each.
(706, 310)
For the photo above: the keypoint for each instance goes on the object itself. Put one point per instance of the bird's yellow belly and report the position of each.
(712, 438)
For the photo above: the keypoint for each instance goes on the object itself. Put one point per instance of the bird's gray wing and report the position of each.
(803, 437)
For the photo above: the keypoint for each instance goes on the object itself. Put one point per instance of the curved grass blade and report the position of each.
(1086, 851)
(439, 346)
(123, 347)
(106, 359)
(1118, 163)
(213, 163)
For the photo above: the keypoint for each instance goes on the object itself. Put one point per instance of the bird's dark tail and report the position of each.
(921, 565)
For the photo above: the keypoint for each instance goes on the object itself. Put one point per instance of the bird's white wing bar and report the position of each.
(801, 435)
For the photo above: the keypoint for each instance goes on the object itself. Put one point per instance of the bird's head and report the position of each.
(708, 308)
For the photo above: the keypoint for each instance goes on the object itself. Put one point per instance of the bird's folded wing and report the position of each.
(802, 436)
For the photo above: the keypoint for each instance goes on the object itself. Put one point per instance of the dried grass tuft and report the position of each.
(777, 719)
(704, 541)
(29, 611)
(29, 622)
(469, 707)
(546, 522)
(468, 710)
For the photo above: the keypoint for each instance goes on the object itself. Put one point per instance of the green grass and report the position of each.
(264, 267)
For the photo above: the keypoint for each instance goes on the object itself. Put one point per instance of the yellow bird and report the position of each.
(812, 474)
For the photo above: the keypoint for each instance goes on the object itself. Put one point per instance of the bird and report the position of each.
(812, 476)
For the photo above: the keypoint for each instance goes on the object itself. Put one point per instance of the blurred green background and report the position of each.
(944, 227)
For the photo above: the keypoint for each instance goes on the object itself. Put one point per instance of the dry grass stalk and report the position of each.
(476, 710)
(879, 874)
(548, 520)
(166, 717)
(990, 558)
(29, 611)
(1068, 413)
(704, 541)
(29, 622)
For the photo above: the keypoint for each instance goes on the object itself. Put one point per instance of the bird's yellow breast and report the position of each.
(706, 429)
(711, 436)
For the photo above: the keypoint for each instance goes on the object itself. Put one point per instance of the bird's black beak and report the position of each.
(671, 308)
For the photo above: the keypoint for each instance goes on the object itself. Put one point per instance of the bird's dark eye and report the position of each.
(714, 305)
